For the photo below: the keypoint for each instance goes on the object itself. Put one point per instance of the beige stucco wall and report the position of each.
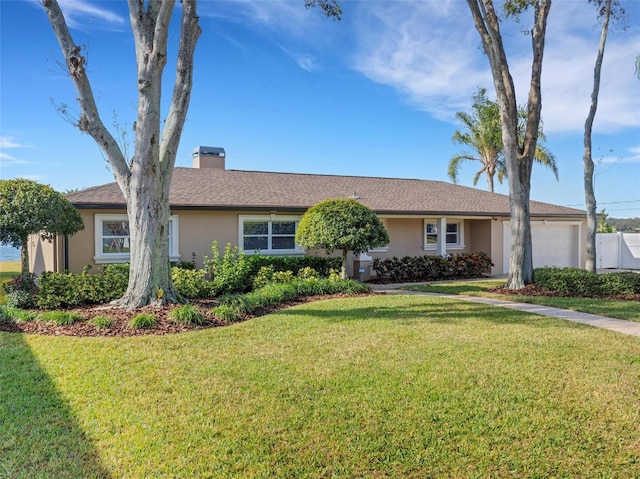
(198, 229)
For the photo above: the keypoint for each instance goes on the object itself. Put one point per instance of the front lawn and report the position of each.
(612, 308)
(8, 271)
(379, 386)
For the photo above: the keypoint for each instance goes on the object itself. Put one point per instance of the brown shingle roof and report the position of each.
(244, 190)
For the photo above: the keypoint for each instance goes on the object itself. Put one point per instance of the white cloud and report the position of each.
(305, 61)
(7, 142)
(6, 159)
(431, 52)
(9, 160)
(78, 12)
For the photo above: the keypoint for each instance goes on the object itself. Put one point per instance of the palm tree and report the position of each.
(484, 137)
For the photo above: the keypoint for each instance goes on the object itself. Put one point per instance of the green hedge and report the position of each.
(431, 267)
(63, 290)
(579, 282)
(321, 264)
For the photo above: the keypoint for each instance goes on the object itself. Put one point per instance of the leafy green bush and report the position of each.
(579, 282)
(431, 267)
(263, 277)
(143, 321)
(230, 273)
(102, 322)
(63, 290)
(21, 290)
(322, 265)
(186, 314)
(109, 284)
(191, 283)
(60, 318)
(20, 299)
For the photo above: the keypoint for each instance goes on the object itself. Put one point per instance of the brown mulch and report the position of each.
(533, 290)
(120, 319)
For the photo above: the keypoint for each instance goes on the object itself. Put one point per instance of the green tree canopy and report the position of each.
(341, 224)
(27, 208)
(483, 136)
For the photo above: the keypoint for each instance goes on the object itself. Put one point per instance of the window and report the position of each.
(269, 234)
(112, 241)
(453, 234)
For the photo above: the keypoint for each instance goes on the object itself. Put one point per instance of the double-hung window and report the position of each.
(113, 238)
(453, 234)
(269, 234)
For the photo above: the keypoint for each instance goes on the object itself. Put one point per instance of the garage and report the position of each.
(555, 243)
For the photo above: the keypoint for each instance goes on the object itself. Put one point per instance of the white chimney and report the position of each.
(209, 157)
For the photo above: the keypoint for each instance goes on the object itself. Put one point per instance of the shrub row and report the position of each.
(232, 273)
(431, 268)
(234, 307)
(579, 282)
(56, 290)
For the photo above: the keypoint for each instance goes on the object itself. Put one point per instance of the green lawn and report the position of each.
(8, 271)
(621, 309)
(382, 386)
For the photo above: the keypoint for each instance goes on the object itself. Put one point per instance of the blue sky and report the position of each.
(282, 88)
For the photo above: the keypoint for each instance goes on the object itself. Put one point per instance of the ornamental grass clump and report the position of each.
(143, 321)
(59, 318)
(11, 314)
(187, 314)
(102, 322)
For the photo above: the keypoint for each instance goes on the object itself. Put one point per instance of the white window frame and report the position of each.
(297, 250)
(105, 258)
(449, 246)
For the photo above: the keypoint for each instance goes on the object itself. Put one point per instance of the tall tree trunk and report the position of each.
(343, 267)
(24, 257)
(145, 183)
(149, 274)
(589, 193)
(490, 181)
(518, 158)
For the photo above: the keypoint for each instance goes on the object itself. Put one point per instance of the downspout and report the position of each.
(65, 252)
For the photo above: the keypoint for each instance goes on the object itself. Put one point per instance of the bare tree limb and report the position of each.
(89, 121)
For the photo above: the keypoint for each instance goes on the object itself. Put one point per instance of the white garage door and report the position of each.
(554, 244)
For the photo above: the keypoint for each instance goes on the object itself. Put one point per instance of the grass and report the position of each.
(620, 309)
(380, 386)
(8, 271)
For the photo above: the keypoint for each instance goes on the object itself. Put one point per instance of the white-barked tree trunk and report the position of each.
(518, 154)
(145, 180)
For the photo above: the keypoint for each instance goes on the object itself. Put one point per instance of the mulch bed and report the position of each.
(533, 290)
(120, 319)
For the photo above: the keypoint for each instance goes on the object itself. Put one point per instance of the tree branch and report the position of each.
(189, 33)
(89, 121)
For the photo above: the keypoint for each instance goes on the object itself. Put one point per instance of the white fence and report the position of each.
(618, 250)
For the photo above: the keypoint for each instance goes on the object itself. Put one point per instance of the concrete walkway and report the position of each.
(619, 325)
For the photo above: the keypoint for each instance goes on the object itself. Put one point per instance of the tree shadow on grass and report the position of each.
(39, 436)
